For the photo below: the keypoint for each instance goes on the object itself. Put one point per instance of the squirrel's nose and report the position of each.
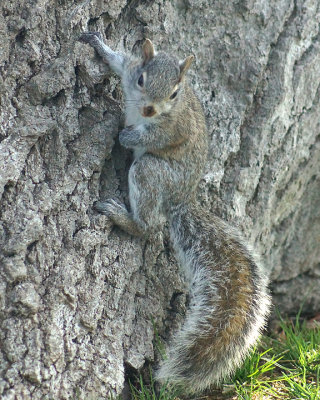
(148, 111)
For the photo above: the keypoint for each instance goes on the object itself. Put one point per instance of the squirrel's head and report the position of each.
(159, 81)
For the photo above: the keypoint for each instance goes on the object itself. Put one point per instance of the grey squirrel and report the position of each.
(166, 129)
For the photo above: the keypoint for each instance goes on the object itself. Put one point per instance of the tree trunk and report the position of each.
(77, 295)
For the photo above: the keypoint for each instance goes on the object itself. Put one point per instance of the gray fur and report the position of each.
(229, 300)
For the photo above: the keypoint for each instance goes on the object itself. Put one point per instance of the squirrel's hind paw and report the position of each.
(119, 215)
(90, 37)
(112, 208)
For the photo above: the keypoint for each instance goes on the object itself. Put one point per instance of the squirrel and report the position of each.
(166, 129)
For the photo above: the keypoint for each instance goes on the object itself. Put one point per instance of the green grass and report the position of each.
(288, 369)
(284, 366)
(144, 391)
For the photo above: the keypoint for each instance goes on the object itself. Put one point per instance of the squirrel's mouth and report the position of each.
(148, 111)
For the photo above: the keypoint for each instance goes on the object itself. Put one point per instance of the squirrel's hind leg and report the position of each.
(146, 188)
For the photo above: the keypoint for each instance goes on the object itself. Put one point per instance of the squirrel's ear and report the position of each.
(184, 66)
(148, 51)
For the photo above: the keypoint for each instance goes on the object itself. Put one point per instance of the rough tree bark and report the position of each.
(78, 296)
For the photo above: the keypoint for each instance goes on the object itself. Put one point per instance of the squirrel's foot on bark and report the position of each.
(112, 208)
(90, 37)
(119, 215)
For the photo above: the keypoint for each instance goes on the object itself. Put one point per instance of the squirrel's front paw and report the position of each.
(90, 37)
(112, 208)
(127, 136)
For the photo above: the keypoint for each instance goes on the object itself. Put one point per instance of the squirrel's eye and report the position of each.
(174, 94)
(140, 80)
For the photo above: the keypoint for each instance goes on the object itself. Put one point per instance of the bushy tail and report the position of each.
(229, 302)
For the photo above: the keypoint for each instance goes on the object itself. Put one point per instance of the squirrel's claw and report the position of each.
(110, 207)
(90, 37)
(127, 137)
